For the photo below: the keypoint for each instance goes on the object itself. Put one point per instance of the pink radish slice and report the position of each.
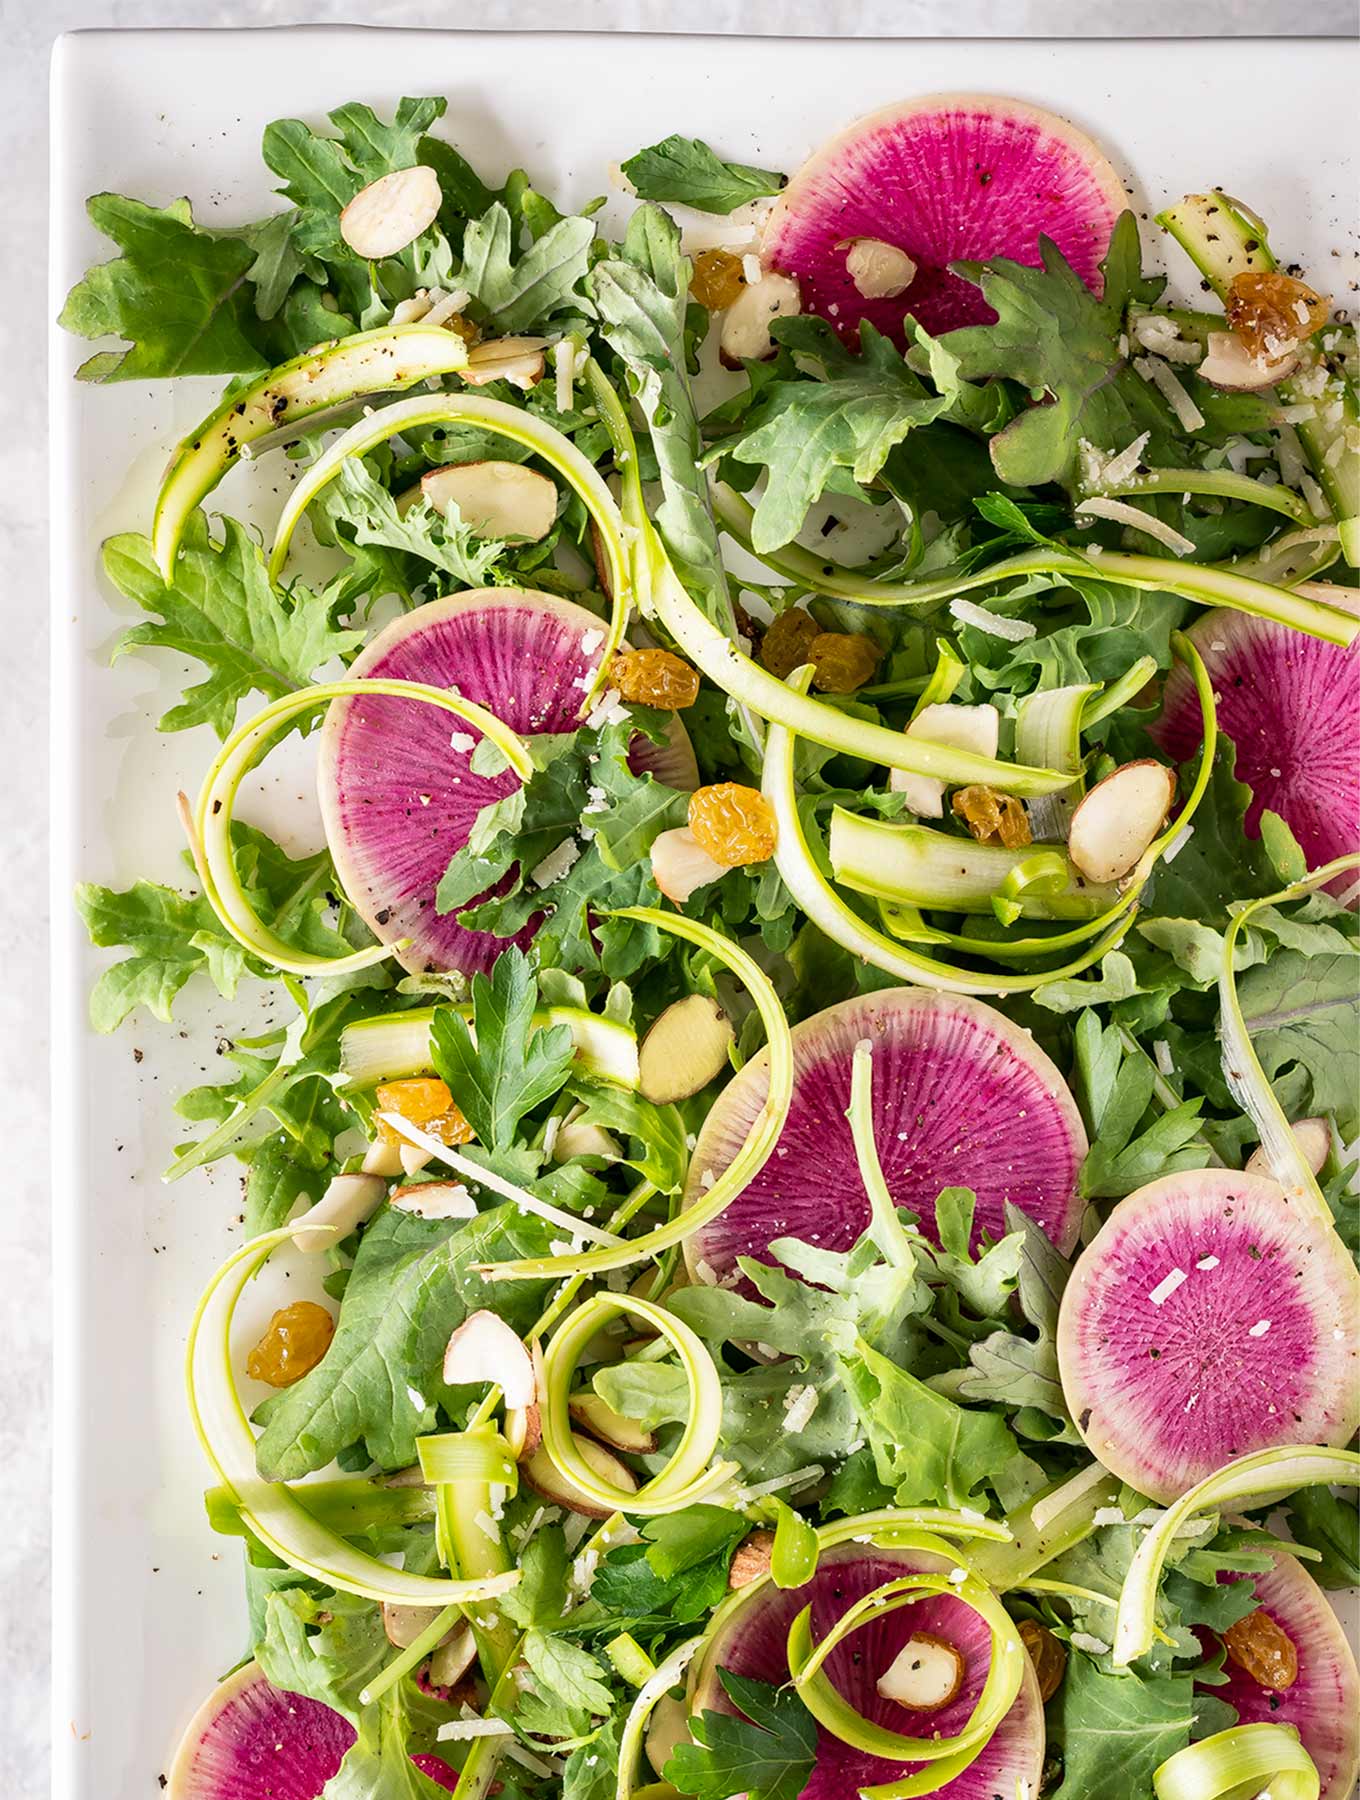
(1324, 1700)
(946, 178)
(251, 1741)
(961, 1098)
(1289, 703)
(398, 796)
(752, 1641)
(1205, 1320)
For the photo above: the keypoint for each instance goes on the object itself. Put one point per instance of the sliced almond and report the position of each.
(610, 1427)
(752, 1559)
(496, 499)
(925, 1675)
(1314, 1139)
(745, 335)
(484, 1349)
(347, 1202)
(576, 1137)
(667, 1729)
(381, 1159)
(976, 728)
(413, 1159)
(684, 1050)
(879, 271)
(404, 1624)
(518, 360)
(680, 866)
(544, 1478)
(1114, 824)
(1229, 365)
(391, 212)
(435, 1200)
(523, 1430)
(453, 1657)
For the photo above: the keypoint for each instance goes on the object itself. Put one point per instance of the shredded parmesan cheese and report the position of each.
(1121, 513)
(1014, 631)
(1167, 1286)
(1159, 374)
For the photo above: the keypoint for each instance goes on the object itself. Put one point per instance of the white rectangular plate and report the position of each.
(149, 1607)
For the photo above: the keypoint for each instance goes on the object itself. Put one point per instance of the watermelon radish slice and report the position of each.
(1289, 703)
(751, 1641)
(1206, 1320)
(1323, 1701)
(251, 1741)
(946, 178)
(961, 1098)
(397, 794)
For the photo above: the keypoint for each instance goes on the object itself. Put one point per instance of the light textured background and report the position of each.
(26, 32)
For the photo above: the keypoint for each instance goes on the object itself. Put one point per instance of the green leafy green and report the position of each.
(1322, 1520)
(515, 293)
(767, 1754)
(1114, 1730)
(501, 1066)
(684, 171)
(361, 513)
(170, 938)
(1117, 1091)
(222, 610)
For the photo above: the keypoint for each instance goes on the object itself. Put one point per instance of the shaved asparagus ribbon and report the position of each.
(667, 1676)
(1238, 1763)
(1226, 483)
(661, 592)
(520, 427)
(1208, 584)
(755, 1151)
(949, 1755)
(269, 1508)
(1262, 1474)
(687, 1476)
(1242, 1070)
(209, 825)
(810, 888)
(823, 905)
(885, 1227)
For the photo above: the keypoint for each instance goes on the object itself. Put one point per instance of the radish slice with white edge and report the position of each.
(391, 212)
(484, 1349)
(1207, 1320)
(209, 826)
(270, 1509)
(1117, 821)
(1289, 703)
(251, 1741)
(943, 179)
(400, 793)
(960, 1097)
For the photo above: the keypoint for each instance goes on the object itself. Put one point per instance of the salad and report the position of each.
(812, 1081)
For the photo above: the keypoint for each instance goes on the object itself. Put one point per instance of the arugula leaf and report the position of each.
(500, 1067)
(805, 432)
(767, 1754)
(170, 939)
(1322, 1520)
(677, 1541)
(642, 296)
(592, 1769)
(1114, 1730)
(1218, 865)
(1117, 1088)
(929, 1450)
(567, 1670)
(412, 1282)
(178, 294)
(222, 609)
(684, 171)
(515, 294)
(1300, 1011)
(327, 1653)
(1053, 336)
(362, 515)
(1006, 1368)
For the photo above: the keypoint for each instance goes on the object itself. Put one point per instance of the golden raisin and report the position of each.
(717, 280)
(655, 678)
(426, 1102)
(1270, 313)
(297, 1338)
(842, 660)
(784, 646)
(734, 824)
(1047, 1654)
(464, 328)
(993, 818)
(1264, 1649)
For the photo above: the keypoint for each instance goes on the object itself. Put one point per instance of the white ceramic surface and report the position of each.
(148, 1603)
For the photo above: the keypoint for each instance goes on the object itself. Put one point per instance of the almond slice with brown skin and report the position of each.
(496, 499)
(752, 1559)
(1314, 1140)
(518, 360)
(453, 1657)
(545, 1479)
(485, 1349)
(391, 212)
(680, 866)
(925, 1675)
(1114, 824)
(610, 1427)
(1228, 364)
(435, 1200)
(684, 1050)
(745, 335)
